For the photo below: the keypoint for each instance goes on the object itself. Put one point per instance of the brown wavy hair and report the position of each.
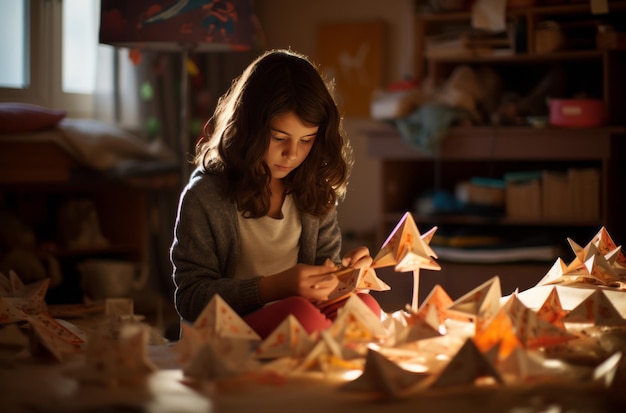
(235, 139)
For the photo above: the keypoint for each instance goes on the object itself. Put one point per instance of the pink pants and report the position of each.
(313, 319)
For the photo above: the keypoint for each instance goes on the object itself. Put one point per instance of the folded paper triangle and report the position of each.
(467, 367)
(481, 303)
(289, 339)
(406, 249)
(382, 375)
(598, 309)
(220, 320)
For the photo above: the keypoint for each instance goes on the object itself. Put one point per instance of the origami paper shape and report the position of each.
(115, 362)
(218, 319)
(612, 252)
(370, 281)
(466, 367)
(189, 343)
(349, 281)
(419, 329)
(551, 310)
(439, 300)
(598, 309)
(221, 327)
(606, 371)
(208, 364)
(612, 374)
(383, 376)
(555, 274)
(591, 264)
(31, 298)
(50, 340)
(352, 280)
(328, 353)
(532, 331)
(356, 322)
(480, 304)
(407, 250)
(498, 333)
(57, 329)
(522, 365)
(10, 313)
(289, 339)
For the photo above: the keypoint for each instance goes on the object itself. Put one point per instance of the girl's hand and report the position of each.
(357, 258)
(313, 282)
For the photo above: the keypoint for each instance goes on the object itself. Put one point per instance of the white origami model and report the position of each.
(407, 250)
(354, 280)
(289, 339)
(116, 361)
(466, 367)
(382, 375)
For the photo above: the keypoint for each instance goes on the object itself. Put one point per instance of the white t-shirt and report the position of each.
(269, 245)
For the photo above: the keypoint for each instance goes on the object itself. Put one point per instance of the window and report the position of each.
(51, 52)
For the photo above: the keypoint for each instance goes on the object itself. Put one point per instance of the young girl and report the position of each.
(257, 222)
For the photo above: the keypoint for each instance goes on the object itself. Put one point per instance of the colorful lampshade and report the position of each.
(169, 25)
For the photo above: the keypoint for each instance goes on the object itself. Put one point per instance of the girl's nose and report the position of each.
(290, 151)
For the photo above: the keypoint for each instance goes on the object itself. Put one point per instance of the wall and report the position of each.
(292, 24)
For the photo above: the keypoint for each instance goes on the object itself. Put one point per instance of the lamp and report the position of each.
(184, 26)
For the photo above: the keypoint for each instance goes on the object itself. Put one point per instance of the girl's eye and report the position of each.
(306, 140)
(278, 138)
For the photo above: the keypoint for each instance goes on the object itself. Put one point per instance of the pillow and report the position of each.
(25, 117)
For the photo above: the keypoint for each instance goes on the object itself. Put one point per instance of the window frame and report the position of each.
(45, 86)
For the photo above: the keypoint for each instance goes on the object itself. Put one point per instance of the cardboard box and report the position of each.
(523, 199)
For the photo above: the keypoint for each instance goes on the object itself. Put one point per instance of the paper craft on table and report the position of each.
(480, 304)
(10, 313)
(328, 353)
(600, 262)
(382, 375)
(532, 331)
(606, 372)
(218, 319)
(356, 322)
(610, 250)
(598, 309)
(439, 300)
(208, 364)
(551, 310)
(407, 250)
(224, 330)
(30, 298)
(498, 335)
(354, 280)
(289, 339)
(590, 265)
(467, 365)
(522, 365)
(419, 328)
(116, 361)
(51, 339)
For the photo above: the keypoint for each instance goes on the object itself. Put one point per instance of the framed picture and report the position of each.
(351, 54)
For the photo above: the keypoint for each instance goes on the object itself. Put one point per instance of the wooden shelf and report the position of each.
(561, 9)
(502, 143)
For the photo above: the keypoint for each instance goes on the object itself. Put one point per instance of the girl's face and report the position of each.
(290, 144)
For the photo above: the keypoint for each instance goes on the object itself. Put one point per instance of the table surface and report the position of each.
(31, 385)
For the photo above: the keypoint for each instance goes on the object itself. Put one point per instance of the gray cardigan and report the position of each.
(207, 247)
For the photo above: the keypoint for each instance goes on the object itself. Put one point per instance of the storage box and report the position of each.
(574, 194)
(523, 199)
